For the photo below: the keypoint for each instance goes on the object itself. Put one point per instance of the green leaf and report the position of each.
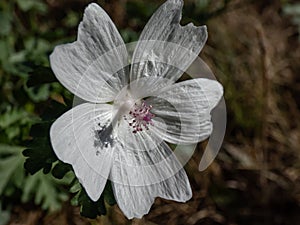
(108, 194)
(4, 50)
(76, 187)
(41, 75)
(4, 216)
(14, 124)
(292, 9)
(54, 110)
(17, 57)
(39, 150)
(38, 94)
(71, 19)
(40, 129)
(9, 150)
(11, 116)
(89, 208)
(40, 155)
(9, 164)
(32, 4)
(75, 199)
(5, 23)
(60, 170)
(45, 190)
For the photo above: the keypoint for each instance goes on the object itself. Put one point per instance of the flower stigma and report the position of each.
(133, 110)
(140, 117)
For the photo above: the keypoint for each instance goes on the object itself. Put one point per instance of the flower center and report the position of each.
(140, 117)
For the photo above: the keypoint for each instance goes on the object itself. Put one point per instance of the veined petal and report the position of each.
(142, 158)
(144, 168)
(75, 140)
(136, 201)
(148, 86)
(166, 48)
(183, 110)
(94, 67)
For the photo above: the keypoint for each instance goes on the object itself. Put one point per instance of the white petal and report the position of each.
(166, 48)
(145, 167)
(92, 68)
(136, 201)
(148, 86)
(185, 110)
(142, 158)
(74, 140)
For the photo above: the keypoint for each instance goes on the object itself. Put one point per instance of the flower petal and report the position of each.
(148, 86)
(166, 48)
(183, 110)
(136, 201)
(74, 140)
(142, 158)
(145, 167)
(94, 67)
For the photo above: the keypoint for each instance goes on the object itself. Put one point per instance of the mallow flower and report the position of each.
(131, 108)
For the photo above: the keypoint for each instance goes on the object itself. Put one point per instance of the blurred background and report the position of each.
(254, 51)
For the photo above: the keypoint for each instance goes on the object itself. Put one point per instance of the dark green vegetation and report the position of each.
(254, 51)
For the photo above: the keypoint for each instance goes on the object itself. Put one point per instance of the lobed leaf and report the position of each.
(89, 208)
(60, 170)
(41, 75)
(9, 164)
(45, 190)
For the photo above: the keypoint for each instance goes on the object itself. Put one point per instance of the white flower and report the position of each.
(130, 112)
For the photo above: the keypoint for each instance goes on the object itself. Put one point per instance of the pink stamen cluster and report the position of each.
(140, 117)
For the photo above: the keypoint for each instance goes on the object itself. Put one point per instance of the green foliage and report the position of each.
(46, 190)
(40, 75)
(40, 155)
(141, 10)
(108, 194)
(88, 207)
(32, 5)
(14, 123)
(294, 11)
(11, 164)
(4, 216)
(5, 23)
(60, 170)
(200, 11)
(24, 50)
(39, 151)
